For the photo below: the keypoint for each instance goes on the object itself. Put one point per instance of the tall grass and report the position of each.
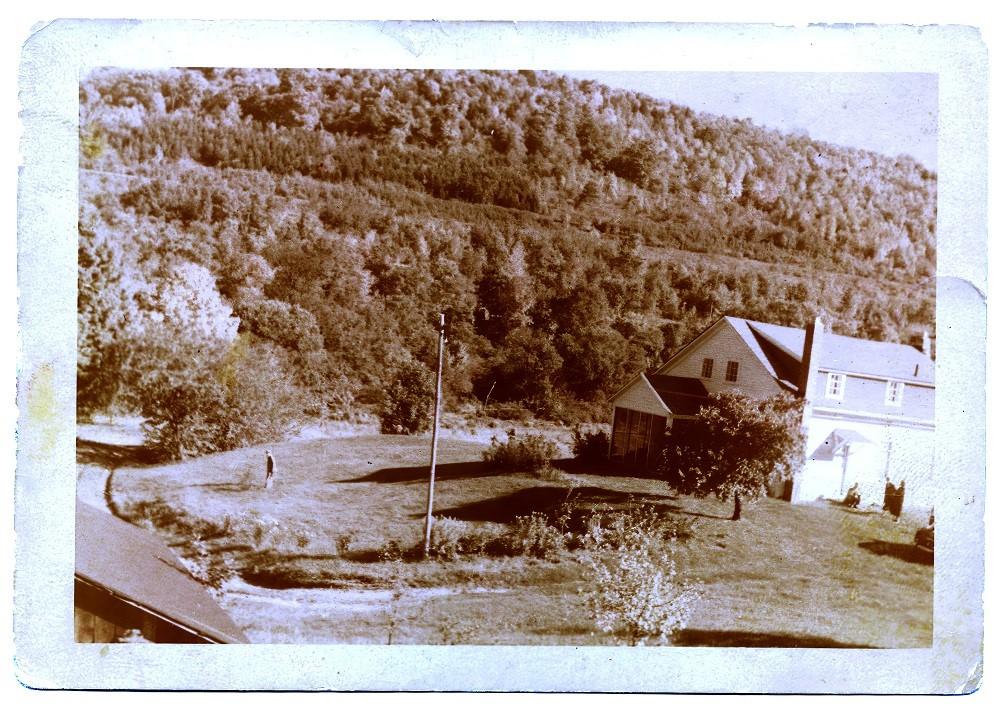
(543, 536)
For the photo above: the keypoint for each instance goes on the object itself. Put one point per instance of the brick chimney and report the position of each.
(927, 344)
(810, 358)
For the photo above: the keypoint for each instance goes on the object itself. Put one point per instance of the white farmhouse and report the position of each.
(869, 412)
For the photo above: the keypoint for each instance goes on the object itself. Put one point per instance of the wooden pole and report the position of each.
(434, 437)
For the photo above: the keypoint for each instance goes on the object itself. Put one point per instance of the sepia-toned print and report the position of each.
(482, 357)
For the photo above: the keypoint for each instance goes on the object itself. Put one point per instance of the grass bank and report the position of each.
(322, 556)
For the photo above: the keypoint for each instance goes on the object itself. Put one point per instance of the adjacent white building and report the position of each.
(869, 412)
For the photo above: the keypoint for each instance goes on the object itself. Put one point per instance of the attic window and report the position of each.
(835, 386)
(706, 367)
(732, 371)
(894, 393)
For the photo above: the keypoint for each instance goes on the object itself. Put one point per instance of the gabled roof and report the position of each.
(888, 360)
(773, 353)
(789, 339)
(780, 349)
(139, 567)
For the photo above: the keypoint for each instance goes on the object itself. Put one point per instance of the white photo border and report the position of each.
(56, 56)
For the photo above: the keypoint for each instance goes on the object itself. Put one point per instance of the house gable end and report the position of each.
(641, 396)
(723, 343)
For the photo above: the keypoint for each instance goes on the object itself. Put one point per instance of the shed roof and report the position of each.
(682, 395)
(138, 566)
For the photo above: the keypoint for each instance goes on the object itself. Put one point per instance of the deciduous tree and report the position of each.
(407, 400)
(736, 446)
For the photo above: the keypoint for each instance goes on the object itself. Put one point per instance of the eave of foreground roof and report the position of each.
(138, 566)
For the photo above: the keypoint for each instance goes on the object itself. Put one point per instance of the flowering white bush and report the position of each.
(640, 596)
(635, 588)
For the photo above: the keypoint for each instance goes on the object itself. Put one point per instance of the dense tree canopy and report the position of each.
(571, 233)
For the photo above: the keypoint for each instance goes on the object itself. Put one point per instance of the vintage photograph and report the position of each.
(501, 357)
(506, 357)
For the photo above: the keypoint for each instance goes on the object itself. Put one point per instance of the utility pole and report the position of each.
(434, 442)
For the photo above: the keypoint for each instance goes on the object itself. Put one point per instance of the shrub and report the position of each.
(212, 570)
(152, 514)
(538, 535)
(344, 542)
(638, 527)
(637, 593)
(520, 453)
(392, 551)
(550, 473)
(267, 534)
(590, 446)
(446, 537)
(532, 535)
(157, 514)
(508, 411)
(453, 538)
(573, 412)
(406, 403)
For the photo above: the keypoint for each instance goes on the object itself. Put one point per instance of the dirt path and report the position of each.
(321, 615)
(102, 447)
(91, 483)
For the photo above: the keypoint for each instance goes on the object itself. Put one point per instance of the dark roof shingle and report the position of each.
(681, 395)
(138, 566)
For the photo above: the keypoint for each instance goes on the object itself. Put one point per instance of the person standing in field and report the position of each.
(894, 499)
(269, 477)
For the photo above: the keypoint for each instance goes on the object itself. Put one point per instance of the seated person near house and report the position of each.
(853, 497)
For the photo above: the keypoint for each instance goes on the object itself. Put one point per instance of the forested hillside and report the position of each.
(284, 239)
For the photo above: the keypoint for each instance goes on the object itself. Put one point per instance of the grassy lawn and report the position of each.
(785, 575)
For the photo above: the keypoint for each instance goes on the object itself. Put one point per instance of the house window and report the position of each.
(835, 386)
(894, 393)
(732, 371)
(706, 367)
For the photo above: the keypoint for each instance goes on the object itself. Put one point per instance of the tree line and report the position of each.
(258, 247)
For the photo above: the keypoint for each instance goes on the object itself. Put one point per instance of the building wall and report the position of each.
(637, 438)
(866, 395)
(99, 616)
(640, 397)
(723, 345)
(90, 627)
(895, 452)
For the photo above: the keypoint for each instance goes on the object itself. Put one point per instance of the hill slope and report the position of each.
(571, 232)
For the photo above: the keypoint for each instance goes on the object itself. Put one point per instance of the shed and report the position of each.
(130, 584)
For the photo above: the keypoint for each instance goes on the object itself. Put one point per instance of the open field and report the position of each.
(322, 556)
